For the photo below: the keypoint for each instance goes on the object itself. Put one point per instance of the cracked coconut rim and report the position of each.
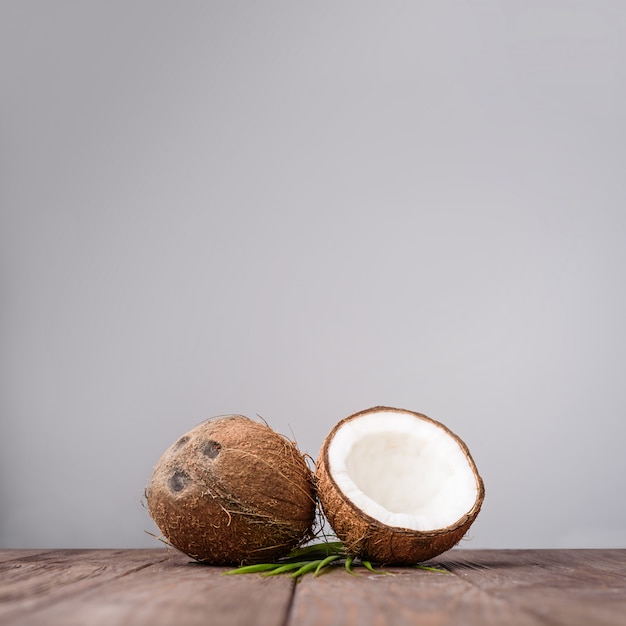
(402, 471)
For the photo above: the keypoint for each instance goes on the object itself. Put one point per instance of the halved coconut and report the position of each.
(396, 486)
(233, 491)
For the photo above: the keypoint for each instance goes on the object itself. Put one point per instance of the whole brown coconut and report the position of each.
(396, 486)
(232, 491)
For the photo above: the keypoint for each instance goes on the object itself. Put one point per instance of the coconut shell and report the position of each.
(369, 539)
(232, 491)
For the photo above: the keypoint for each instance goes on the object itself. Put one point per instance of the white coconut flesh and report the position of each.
(403, 471)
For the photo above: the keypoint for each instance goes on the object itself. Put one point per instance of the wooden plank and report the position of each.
(525, 587)
(159, 587)
(40, 579)
(403, 597)
(569, 587)
(172, 591)
(12, 555)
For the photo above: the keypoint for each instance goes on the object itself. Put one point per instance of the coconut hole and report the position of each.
(211, 449)
(178, 481)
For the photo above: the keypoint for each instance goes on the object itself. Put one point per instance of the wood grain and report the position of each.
(41, 579)
(570, 587)
(163, 587)
(483, 587)
(12, 555)
(403, 597)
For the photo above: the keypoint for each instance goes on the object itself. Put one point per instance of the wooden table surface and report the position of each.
(163, 587)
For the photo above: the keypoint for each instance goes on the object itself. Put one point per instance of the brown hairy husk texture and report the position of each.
(366, 537)
(233, 491)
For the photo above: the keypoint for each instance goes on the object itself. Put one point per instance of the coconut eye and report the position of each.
(211, 449)
(179, 480)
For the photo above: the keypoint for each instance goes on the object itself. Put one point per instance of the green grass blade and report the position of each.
(428, 568)
(305, 569)
(281, 569)
(368, 566)
(325, 562)
(252, 569)
(317, 549)
(348, 566)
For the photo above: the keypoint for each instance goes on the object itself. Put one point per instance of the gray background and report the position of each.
(300, 210)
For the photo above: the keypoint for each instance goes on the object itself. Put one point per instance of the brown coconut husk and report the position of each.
(233, 491)
(369, 539)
